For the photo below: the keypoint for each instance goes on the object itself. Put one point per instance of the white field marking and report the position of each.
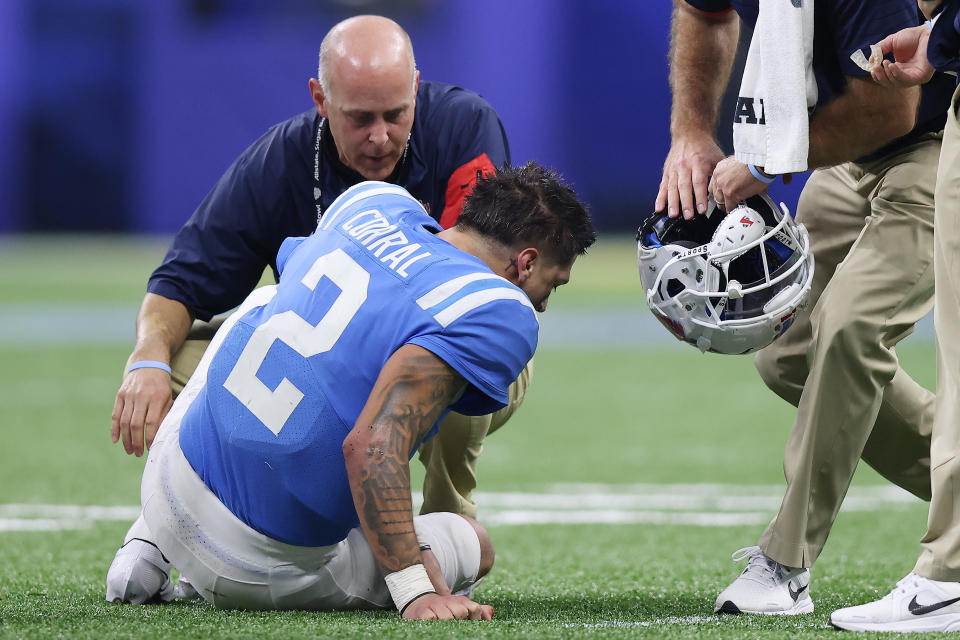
(612, 326)
(69, 511)
(43, 393)
(656, 622)
(713, 505)
(45, 524)
(525, 516)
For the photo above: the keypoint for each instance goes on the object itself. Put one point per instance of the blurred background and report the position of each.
(119, 115)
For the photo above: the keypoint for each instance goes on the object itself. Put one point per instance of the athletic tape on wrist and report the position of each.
(408, 584)
(759, 176)
(150, 364)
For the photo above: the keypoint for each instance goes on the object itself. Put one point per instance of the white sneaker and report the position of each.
(139, 574)
(766, 586)
(916, 604)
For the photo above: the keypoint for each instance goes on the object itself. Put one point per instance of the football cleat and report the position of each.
(139, 574)
(916, 604)
(766, 587)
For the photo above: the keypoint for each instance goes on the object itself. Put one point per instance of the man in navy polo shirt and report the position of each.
(928, 598)
(373, 120)
(868, 207)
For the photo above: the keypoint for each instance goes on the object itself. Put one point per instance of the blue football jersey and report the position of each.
(291, 376)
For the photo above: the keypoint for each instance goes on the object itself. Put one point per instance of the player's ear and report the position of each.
(527, 260)
(319, 98)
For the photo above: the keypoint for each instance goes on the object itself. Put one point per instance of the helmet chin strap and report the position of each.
(734, 288)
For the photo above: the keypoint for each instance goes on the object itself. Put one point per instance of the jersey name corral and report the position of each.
(378, 235)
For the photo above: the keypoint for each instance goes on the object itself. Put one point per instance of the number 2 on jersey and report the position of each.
(273, 407)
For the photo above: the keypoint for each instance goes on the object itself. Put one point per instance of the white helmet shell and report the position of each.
(728, 283)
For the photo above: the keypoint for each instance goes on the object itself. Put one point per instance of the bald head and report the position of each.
(365, 47)
(367, 91)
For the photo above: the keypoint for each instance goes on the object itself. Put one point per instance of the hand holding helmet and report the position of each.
(726, 283)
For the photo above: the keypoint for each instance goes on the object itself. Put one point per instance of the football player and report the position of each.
(280, 477)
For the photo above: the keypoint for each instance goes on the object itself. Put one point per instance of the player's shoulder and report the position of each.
(462, 289)
(367, 201)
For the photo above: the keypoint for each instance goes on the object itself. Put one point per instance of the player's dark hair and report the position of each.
(530, 205)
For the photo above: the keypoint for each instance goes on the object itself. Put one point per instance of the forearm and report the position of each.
(702, 49)
(162, 327)
(413, 389)
(380, 483)
(860, 121)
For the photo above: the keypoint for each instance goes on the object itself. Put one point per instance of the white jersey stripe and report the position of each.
(479, 298)
(450, 287)
(327, 221)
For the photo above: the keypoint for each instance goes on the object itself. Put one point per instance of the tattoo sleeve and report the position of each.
(413, 388)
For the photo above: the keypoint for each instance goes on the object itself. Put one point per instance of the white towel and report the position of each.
(771, 128)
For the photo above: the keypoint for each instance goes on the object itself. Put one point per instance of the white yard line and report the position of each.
(42, 524)
(656, 622)
(606, 516)
(614, 325)
(706, 505)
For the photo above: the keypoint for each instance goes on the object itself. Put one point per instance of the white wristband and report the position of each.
(408, 584)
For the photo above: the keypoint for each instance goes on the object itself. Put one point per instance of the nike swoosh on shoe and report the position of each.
(918, 609)
(796, 594)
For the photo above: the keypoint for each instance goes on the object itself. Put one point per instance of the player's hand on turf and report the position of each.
(733, 183)
(437, 607)
(909, 49)
(683, 186)
(143, 400)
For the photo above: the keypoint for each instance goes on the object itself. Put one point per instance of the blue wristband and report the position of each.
(759, 176)
(150, 364)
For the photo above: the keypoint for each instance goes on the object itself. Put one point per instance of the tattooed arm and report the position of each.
(414, 387)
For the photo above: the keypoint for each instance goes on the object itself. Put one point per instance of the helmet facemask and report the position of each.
(728, 283)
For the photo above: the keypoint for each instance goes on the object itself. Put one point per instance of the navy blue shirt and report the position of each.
(943, 49)
(267, 195)
(840, 28)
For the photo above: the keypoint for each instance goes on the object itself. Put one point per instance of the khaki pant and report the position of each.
(871, 231)
(450, 457)
(940, 558)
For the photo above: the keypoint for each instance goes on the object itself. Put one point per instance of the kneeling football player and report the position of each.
(280, 478)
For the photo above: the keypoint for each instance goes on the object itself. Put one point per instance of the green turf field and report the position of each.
(629, 449)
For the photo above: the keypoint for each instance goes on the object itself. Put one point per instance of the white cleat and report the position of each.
(766, 587)
(916, 604)
(139, 574)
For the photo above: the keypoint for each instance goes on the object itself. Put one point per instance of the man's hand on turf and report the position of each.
(142, 402)
(434, 606)
(683, 186)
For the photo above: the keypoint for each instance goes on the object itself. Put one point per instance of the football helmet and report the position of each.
(726, 282)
